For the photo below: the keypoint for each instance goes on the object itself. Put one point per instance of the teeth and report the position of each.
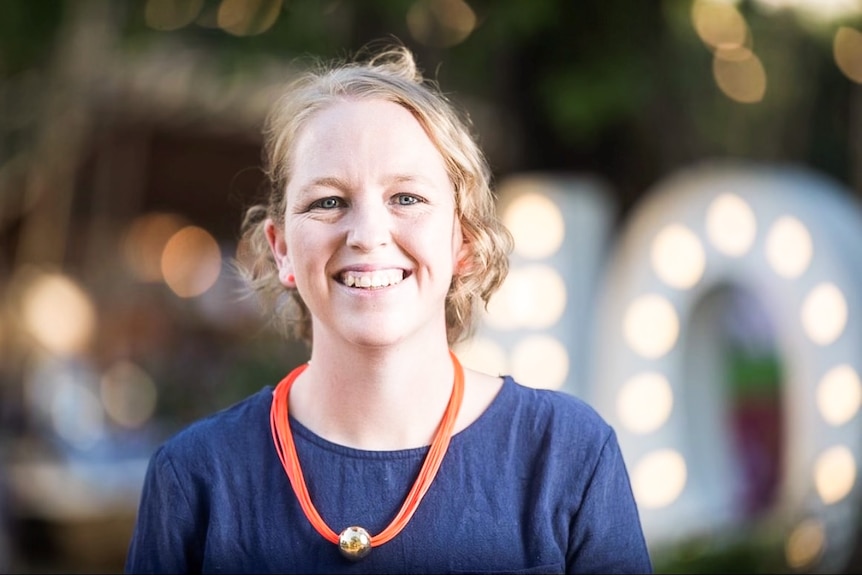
(375, 279)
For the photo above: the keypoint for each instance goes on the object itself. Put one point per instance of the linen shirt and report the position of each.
(537, 484)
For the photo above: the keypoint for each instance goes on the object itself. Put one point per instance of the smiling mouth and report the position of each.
(372, 280)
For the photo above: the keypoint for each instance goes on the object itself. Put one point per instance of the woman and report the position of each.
(383, 454)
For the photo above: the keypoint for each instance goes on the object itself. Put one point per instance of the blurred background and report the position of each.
(682, 178)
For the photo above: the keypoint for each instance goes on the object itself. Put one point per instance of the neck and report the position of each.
(376, 399)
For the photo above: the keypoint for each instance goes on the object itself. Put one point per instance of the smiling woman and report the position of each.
(369, 198)
(382, 454)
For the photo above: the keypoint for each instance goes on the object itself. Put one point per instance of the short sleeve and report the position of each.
(165, 537)
(606, 534)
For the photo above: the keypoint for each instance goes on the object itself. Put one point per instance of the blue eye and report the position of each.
(327, 203)
(407, 200)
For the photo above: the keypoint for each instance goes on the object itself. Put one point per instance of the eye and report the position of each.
(327, 203)
(407, 200)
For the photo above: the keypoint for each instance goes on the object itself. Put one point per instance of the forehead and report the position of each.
(367, 131)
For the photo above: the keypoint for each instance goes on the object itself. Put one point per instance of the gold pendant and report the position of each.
(354, 543)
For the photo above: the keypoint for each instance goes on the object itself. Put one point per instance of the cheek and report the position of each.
(312, 248)
(300, 250)
(447, 250)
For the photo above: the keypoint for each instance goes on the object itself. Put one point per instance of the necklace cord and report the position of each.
(286, 450)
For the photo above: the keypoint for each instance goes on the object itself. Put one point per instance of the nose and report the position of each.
(369, 226)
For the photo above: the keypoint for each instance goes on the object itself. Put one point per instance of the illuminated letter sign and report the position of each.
(793, 240)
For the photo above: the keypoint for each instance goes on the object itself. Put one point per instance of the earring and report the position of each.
(290, 278)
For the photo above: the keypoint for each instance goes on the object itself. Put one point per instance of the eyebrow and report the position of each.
(325, 182)
(405, 178)
(343, 185)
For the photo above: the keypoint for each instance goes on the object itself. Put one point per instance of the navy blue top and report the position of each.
(536, 484)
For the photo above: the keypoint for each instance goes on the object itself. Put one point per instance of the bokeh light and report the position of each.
(847, 50)
(145, 240)
(440, 23)
(740, 75)
(540, 361)
(839, 394)
(677, 256)
(719, 24)
(659, 478)
(805, 544)
(818, 10)
(499, 314)
(834, 474)
(731, 225)
(77, 415)
(191, 261)
(532, 297)
(789, 248)
(58, 313)
(167, 15)
(651, 326)
(645, 402)
(247, 17)
(536, 224)
(824, 313)
(128, 394)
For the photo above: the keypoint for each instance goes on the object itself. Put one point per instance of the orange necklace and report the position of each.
(355, 542)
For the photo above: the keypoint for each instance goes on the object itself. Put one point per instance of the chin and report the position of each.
(381, 334)
(375, 340)
(384, 330)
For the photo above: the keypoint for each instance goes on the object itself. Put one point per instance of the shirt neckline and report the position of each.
(304, 434)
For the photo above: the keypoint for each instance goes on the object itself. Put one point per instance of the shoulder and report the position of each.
(544, 424)
(546, 408)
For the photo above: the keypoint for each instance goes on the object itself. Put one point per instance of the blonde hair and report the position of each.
(389, 74)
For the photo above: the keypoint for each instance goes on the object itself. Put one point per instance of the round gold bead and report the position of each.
(354, 543)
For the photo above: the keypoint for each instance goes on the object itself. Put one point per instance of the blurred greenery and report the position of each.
(27, 34)
(749, 552)
(618, 88)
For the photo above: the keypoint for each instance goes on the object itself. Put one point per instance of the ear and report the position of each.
(463, 253)
(278, 247)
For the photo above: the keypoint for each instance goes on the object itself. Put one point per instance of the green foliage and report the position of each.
(754, 552)
(573, 78)
(27, 32)
(584, 101)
